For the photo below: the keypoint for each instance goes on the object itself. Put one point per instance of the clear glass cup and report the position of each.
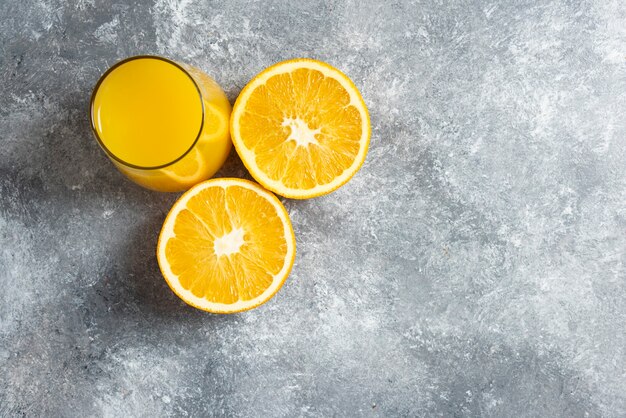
(165, 125)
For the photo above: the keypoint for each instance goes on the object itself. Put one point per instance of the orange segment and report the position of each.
(301, 128)
(226, 246)
(189, 170)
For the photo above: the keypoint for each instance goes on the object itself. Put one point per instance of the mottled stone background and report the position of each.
(476, 265)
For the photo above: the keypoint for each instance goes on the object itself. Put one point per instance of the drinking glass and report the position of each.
(164, 124)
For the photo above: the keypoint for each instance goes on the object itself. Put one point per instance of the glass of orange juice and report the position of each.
(165, 125)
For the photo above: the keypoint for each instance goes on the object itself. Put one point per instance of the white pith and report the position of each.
(229, 243)
(300, 132)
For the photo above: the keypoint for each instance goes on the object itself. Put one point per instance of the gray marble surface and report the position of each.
(475, 266)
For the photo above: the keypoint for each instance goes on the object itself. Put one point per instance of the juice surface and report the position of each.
(147, 112)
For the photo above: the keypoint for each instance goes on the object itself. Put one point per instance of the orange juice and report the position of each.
(163, 124)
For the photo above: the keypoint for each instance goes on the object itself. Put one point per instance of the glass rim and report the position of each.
(95, 130)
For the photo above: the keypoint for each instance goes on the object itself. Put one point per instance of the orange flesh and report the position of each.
(323, 107)
(241, 275)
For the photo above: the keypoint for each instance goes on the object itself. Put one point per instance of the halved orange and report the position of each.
(301, 128)
(227, 245)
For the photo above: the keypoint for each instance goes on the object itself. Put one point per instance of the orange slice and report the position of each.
(189, 170)
(226, 246)
(193, 167)
(215, 123)
(301, 128)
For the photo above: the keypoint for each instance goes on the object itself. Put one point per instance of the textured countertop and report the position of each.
(475, 266)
